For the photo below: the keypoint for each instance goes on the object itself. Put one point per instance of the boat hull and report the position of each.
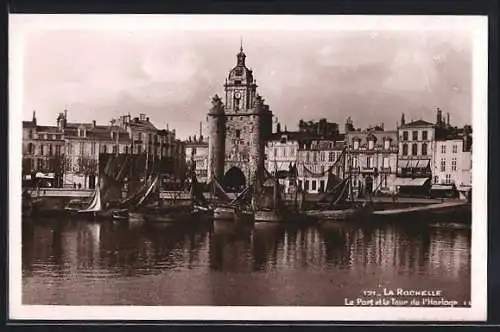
(267, 216)
(460, 212)
(224, 213)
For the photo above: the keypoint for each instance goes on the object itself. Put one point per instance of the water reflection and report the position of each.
(236, 264)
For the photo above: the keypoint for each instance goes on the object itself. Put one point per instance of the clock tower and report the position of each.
(247, 123)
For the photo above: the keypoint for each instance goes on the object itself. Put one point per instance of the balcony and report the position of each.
(354, 170)
(368, 170)
(385, 170)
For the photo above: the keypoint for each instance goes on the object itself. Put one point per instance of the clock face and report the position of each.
(237, 95)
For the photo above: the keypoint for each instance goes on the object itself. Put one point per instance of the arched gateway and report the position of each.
(234, 180)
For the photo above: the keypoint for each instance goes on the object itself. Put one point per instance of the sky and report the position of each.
(372, 76)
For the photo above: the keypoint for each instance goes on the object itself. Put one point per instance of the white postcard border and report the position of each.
(20, 24)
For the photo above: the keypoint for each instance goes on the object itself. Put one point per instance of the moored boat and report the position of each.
(224, 213)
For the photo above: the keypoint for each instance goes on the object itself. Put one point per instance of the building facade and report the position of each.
(68, 154)
(281, 158)
(317, 157)
(43, 153)
(453, 163)
(197, 156)
(372, 159)
(239, 127)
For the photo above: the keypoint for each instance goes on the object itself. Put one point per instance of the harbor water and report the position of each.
(80, 262)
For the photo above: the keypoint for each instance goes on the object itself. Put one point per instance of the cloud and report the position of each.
(372, 76)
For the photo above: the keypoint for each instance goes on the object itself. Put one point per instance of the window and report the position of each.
(414, 135)
(322, 185)
(405, 135)
(58, 150)
(238, 133)
(455, 148)
(443, 148)
(275, 152)
(50, 150)
(313, 184)
(448, 178)
(424, 149)
(42, 150)
(314, 156)
(414, 149)
(126, 149)
(30, 148)
(356, 144)
(387, 144)
(436, 179)
(300, 184)
(443, 165)
(370, 144)
(454, 164)
(424, 135)
(405, 149)
(369, 162)
(331, 156)
(82, 146)
(306, 185)
(307, 156)
(322, 156)
(385, 163)
(92, 148)
(354, 162)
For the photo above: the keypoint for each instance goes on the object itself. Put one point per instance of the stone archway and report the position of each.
(234, 180)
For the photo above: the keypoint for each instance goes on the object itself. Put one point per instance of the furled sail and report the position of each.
(148, 192)
(95, 203)
(337, 194)
(219, 192)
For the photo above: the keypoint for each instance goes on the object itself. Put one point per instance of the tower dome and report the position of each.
(241, 73)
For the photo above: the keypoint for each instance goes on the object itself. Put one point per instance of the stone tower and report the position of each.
(247, 123)
(216, 143)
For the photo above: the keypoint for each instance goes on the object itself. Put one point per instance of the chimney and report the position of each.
(167, 126)
(93, 123)
(439, 116)
(201, 133)
(34, 118)
(402, 119)
(278, 127)
(142, 116)
(147, 119)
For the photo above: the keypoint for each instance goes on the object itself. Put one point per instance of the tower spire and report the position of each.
(241, 44)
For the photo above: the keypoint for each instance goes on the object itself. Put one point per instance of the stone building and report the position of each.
(415, 157)
(197, 156)
(281, 156)
(372, 156)
(239, 127)
(317, 157)
(83, 144)
(453, 163)
(68, 154)
(43, 153)
(452, 154)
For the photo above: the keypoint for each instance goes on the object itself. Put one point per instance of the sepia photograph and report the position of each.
(247, 167)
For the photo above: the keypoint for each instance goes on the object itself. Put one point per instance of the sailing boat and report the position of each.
(95, 208)
(198, 207)
(223, 209)
(268, 207)
(100, 204)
